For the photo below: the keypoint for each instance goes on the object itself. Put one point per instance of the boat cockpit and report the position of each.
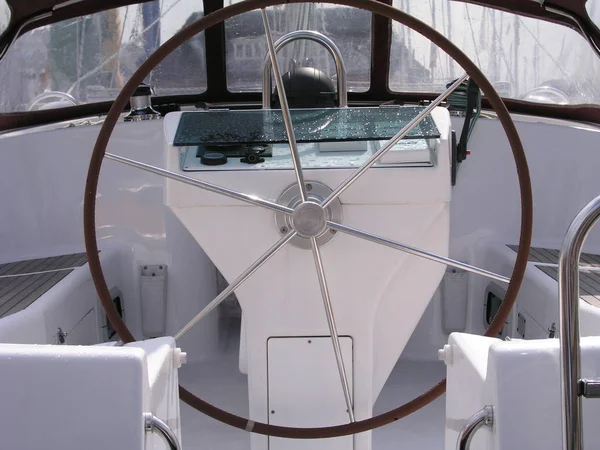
(342, 226)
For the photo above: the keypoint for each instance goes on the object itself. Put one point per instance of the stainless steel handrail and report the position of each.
(570, 351)
(52, 94)
(153, 423)
(483, 417)
(314, 36)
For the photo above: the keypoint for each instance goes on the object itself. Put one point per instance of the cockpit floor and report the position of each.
(220, 382)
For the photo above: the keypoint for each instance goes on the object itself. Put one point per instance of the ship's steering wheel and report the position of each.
(227, 13)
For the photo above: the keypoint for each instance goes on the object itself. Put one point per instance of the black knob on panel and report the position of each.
(213, 159)
(252, 158)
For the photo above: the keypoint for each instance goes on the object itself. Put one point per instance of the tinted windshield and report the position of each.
(524, 58)
(349, 28)
(90, 58)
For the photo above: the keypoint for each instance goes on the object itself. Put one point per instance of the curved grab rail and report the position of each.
(52, 94)
(570, 351)
(153, 423)
(319, 38)
(483, 417)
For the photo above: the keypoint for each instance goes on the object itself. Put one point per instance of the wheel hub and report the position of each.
(309, 218)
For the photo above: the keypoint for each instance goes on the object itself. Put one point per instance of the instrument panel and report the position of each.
(316, 155)
(327, 138)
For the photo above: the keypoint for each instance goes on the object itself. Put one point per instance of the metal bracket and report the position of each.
(552, 330)
(61, 336)
(521, 325)
(589, 388)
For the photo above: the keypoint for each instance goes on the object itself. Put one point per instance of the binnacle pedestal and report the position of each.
(377, 294)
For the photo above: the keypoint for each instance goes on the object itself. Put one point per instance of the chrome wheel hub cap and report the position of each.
(309, 218)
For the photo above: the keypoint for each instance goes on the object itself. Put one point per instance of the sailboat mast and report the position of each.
(516, 54)
(450, 61)
(495, 69)
(151, 15)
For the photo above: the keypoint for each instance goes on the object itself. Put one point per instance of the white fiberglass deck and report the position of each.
(221, 383)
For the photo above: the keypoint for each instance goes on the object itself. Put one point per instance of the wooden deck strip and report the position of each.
(589, 282)
(21, 282)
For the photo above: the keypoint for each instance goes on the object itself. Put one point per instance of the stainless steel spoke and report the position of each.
(335, 339)
(236, 283)
(417, 252)
(252, 199)
(391, 143)
(285, 110)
